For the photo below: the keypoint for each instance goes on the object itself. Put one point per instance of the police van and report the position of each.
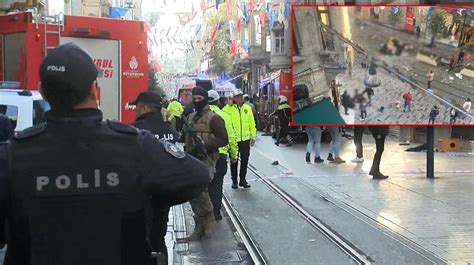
(25, 108)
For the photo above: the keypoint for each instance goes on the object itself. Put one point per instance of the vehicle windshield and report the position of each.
(39, 109)
(11, 112)
(185, 96)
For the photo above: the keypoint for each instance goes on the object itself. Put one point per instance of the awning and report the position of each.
(269, 78)
(225, 87)
(322, 112)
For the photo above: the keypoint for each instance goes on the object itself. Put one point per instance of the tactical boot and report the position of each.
(308, 157)
(162, 258)
(209, 225)
(244, 184)
(198, 231)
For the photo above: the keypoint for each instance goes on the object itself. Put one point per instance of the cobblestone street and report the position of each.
(387, 103)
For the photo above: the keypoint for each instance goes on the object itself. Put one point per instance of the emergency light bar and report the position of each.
(9, 85)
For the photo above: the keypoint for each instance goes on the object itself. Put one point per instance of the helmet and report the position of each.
(212, 95)
(238, 92)
(282, 99)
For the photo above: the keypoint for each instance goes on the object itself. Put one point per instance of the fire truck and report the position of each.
(118, 48)
(270, 87)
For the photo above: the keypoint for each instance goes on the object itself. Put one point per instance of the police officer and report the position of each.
(75, 188)
(215, 188)
(176, 109)
(210, 128)
(283, 113)
(6, 128)
(244, 125)
(148, 110)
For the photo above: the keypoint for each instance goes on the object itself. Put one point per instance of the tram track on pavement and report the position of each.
(251, 246)
(356, 254)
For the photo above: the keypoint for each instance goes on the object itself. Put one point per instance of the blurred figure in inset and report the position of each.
(453, 114)
(379, 133)
(467, 105)
(461, 56)
(346, 101)
(314, 143)
(433, 114)
(430, 77)
(408, 98)
(335, 145)
(452, 62)
(370, 93)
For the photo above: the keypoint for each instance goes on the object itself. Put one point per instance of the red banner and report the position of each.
(409, 21)
(228, 5)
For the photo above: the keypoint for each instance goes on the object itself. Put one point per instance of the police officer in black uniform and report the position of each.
(6, 128)
(73, 190)
(148, 109)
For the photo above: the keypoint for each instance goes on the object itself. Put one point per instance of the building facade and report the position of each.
(318, 56)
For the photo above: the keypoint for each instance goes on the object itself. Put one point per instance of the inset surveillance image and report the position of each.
(401, 65)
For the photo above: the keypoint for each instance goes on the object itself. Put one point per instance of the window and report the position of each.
(11, 112)
(39, 109)
(279, 40)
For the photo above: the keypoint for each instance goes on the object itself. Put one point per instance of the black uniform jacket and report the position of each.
(153, 122)
(73, 190)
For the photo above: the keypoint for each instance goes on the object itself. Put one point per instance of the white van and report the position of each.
(24, 108)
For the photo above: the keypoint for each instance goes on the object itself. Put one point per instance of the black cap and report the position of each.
(199, 91)
(147, 97)
(70, 64)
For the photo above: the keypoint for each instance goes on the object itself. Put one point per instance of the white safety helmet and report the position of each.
(212, 95)
(238, 92)
(282, 99)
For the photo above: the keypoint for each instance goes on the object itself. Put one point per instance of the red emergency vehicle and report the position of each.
(118, 47)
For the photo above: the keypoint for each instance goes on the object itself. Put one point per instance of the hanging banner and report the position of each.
(273, 17)
(263, 17)
(287, 10)
(258, 30)
(203, 6)
(232, 29)
(246, 13)
(409, 21)
(228, 5)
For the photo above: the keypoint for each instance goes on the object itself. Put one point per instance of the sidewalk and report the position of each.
(387, 95)
(437, 214)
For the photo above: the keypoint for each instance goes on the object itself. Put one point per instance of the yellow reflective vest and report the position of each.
(175, 108)
(232, 146)
(243, 121)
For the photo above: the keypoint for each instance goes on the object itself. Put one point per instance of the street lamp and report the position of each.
(372, 80)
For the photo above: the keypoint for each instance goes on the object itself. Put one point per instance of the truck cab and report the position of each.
(25, 108)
